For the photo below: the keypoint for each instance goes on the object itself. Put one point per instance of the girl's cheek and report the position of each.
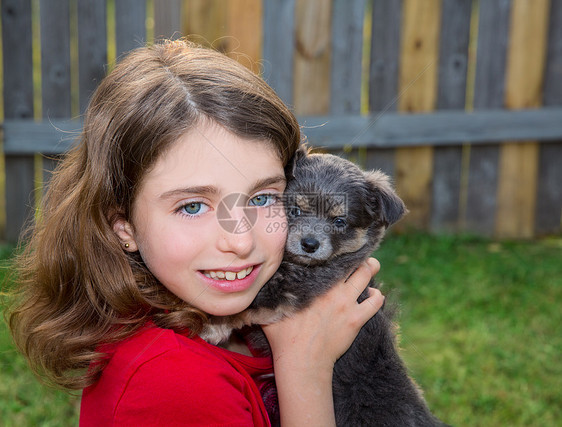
(274, 224)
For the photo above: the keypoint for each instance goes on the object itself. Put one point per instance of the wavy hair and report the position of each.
(77, 288)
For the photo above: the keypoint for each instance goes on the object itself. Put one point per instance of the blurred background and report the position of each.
(460, 101)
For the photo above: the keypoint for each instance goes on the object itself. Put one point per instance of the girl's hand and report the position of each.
(306, 346)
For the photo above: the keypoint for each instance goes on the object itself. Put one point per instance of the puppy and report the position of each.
(337, 215)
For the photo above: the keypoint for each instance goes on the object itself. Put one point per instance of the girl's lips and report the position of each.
(236, 285)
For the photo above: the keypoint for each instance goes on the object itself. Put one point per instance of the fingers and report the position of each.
(357, 282)
(374, 265)
(374, 303)
(361, 277)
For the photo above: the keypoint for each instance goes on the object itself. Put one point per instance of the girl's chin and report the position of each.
(227, 311)
(229, 304)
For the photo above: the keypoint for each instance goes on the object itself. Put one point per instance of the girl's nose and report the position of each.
(237, 234)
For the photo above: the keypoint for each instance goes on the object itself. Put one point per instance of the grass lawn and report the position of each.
(480, 326)
(480, 331)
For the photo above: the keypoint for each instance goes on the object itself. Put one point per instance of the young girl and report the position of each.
(135, 248)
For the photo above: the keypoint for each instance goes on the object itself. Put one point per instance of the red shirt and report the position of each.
(160, 377)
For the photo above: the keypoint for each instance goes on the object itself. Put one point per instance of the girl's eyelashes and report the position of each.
(263, 200)
(192, 209)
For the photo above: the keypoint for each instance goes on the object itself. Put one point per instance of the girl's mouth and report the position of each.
(228, 275)
(231, 281)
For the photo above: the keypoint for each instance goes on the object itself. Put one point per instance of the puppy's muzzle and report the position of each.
(310, 244)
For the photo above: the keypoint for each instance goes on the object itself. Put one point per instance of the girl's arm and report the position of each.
(306, 346)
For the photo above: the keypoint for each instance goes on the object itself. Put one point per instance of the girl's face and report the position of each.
(208, 219)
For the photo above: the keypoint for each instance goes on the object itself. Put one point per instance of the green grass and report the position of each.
(480, 326)
(480, 331)
(24, 401)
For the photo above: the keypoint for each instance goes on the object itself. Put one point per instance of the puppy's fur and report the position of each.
(337, 215)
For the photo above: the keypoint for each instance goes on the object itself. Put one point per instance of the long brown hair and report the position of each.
(77, 287)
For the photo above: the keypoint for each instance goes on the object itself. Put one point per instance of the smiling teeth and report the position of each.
(228, 275)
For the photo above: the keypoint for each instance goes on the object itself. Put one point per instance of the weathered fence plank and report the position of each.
(553, 72)
(347, 56)
(390, 130)
(384, 69)
(167, 19)
(56, 89)
(518, 167)
(493, 30)
(20, 188)
(451, 94)
(130, 25)
(347, 64)
(439, 128)
(418, 93)
(206, 20)
(244, 18)
(55, 58)
(312, 57)
(92, 48)
(278, 46)
(17, 62)
(548, 212)
(385, 55)
(18, 104)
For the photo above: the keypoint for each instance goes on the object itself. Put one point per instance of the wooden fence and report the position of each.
(459, 100)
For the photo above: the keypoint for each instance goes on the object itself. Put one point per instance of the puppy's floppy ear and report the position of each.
(391, 206)
(300, 154)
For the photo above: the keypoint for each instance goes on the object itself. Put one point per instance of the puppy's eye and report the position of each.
(340, 222)
(294, 211)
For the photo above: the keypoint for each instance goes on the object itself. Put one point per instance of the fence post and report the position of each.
(18, 104)
(548, 212)
(518, 166)
(347, 54)
(245, 31)
(55, 68)
(493, 29)
(278, 46)
(92, 48)
(130, 25)
(384, 68)
(312, 57)
(167, 19)
(451, 94)
(418, 93)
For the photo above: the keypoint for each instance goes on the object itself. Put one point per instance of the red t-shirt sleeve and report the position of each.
(167, 390)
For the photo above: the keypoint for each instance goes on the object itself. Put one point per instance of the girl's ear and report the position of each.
(125, 232)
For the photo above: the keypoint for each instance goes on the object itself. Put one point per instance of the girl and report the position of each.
(135, 248)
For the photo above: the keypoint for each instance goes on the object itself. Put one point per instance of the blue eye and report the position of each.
(193, 208)
(263, 200)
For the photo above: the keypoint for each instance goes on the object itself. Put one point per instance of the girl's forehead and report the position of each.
(209, 139)
(209, 154)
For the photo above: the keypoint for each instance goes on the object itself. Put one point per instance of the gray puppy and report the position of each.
(337, 215)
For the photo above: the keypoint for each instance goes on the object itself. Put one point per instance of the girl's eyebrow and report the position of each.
(266, 182)
(180, 192)
(210, 190)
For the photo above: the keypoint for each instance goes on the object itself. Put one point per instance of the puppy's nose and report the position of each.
(310, 244)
